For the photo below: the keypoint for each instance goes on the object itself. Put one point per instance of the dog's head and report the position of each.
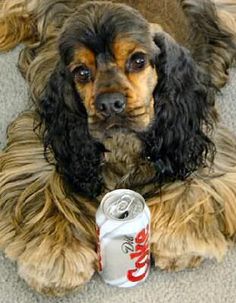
(109, 52)
(116, 74)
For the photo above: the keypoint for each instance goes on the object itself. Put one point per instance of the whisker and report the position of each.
(138, 115)
(134, 109)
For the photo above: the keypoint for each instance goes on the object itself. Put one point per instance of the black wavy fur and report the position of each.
(78, 155)
(184, 100)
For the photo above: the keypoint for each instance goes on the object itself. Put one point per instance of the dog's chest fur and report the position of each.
(124, 166)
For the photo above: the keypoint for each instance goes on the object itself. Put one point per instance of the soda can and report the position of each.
(123, 232)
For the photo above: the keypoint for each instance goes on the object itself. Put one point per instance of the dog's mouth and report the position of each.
(109, 126)
(113, 123)
(113, 127)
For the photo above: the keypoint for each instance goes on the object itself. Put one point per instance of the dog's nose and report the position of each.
(110, 103)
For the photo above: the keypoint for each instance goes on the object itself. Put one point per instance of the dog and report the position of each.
(124, 97)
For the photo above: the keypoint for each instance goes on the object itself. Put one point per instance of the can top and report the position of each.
(123, 205)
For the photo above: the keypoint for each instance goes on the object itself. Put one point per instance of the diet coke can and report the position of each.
(123, 230)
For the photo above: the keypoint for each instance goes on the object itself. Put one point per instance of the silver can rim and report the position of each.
(123, 191)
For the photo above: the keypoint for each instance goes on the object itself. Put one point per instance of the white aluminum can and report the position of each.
(123, 230)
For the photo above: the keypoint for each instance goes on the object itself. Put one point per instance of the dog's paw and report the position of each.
(57, 271)
(177, 263)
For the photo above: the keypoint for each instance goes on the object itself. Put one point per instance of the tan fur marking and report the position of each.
(122, 48)
(84, 56)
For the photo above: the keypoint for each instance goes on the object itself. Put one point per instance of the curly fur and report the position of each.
(47, 207)
(177, 142)
(79, 156)
(213, 41)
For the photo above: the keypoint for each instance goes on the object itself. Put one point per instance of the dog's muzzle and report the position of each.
(110, 104)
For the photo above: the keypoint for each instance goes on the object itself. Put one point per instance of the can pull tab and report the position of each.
(121, 209)
(124, 215)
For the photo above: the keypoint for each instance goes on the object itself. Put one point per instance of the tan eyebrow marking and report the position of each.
(123, 48)
(84, 56)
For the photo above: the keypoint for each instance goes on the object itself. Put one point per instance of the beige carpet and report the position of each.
(212, 283)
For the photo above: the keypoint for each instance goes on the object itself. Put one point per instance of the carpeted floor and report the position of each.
(212, 283)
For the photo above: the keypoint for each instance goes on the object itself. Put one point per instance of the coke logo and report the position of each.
(141, 255)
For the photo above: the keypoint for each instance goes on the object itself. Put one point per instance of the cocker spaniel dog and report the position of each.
(124, 97)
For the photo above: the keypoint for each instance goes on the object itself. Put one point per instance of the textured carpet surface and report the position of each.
(212, 282)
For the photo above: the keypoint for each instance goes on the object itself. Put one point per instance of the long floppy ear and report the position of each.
(64, 117)
(177, 142)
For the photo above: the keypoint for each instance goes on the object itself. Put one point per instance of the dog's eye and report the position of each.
(137, 62)
(82, 74)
